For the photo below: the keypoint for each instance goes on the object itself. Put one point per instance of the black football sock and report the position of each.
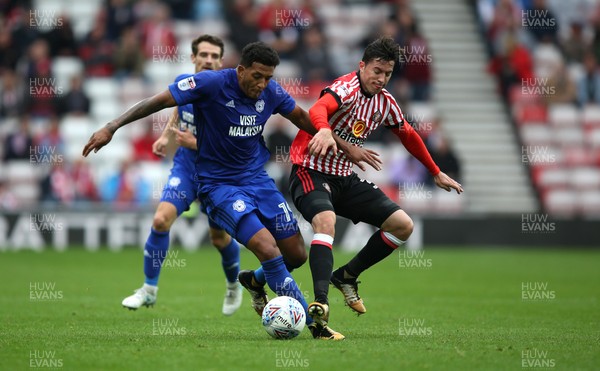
(374, 251)
(321, 265)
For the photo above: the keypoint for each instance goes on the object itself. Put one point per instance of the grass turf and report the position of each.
(446, 309)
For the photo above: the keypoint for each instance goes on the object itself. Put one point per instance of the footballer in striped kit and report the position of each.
(325, 186)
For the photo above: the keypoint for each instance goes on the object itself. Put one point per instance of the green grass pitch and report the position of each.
(458, 309)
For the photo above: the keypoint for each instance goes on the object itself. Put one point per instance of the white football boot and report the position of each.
(233, 298)
(141, 297)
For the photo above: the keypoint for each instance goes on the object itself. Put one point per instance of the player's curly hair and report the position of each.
(209, 39)
(384, 48)
(259, 52)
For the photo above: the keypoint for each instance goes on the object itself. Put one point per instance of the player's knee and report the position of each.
(219, 239)
(399, 224)
(263, 245)
(324, 222)
(298, 258)
(296, 261)
(162, 222)
(407, 229)
(293, 250)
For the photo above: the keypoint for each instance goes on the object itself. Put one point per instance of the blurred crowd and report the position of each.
(125, 35)
(559, 41)
(544, 54)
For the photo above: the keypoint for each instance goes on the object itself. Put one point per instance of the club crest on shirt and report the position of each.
(260, 105)
(239, 206)
(174, 182)
(377, 116)
(358, 128)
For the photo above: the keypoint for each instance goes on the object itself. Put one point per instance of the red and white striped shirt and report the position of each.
(356, 118)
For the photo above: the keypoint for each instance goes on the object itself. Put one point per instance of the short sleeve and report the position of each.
(195, 87)
(285, 102)
(341, 91)
(395, 117)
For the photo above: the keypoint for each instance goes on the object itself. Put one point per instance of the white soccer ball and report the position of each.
(284, 317)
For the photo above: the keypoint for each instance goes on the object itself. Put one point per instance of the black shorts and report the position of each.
(349, 196)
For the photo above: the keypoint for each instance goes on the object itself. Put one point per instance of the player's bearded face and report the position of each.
(208, 57)
(254, 79)
(375, 75)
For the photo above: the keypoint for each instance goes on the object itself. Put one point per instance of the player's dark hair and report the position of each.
(209, 39)
(384, 48)
(259, 52)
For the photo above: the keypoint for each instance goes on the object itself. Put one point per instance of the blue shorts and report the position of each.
(180, 190)
(228, 204)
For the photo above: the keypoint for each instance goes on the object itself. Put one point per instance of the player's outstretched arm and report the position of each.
(319, 114)
(414, 144)
(322, 140)
(445, 182)
(139, 110)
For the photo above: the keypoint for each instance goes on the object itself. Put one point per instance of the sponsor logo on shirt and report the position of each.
(349, 137)
(246, 128)
(186, 84)
(358, 128)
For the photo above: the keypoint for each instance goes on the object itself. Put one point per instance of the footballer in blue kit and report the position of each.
(180, 192)
(180, 186)
(231, 108)
(231, 154)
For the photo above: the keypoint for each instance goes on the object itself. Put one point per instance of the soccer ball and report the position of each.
(283, 317)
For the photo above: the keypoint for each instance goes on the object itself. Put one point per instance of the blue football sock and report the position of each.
(282, 282)
(259, 274)
(155, 253)
(230, 259)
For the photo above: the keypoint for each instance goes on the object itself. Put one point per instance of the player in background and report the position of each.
(233, 186)
(180, 191)
(321, 187)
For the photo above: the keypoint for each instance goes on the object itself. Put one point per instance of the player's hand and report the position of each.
(185, 138)
(321, 142)
(98, 140)
(445, 182)
(357, 155)
(159, 147)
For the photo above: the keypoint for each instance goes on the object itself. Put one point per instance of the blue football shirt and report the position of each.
(231, 148)
(185, 156)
